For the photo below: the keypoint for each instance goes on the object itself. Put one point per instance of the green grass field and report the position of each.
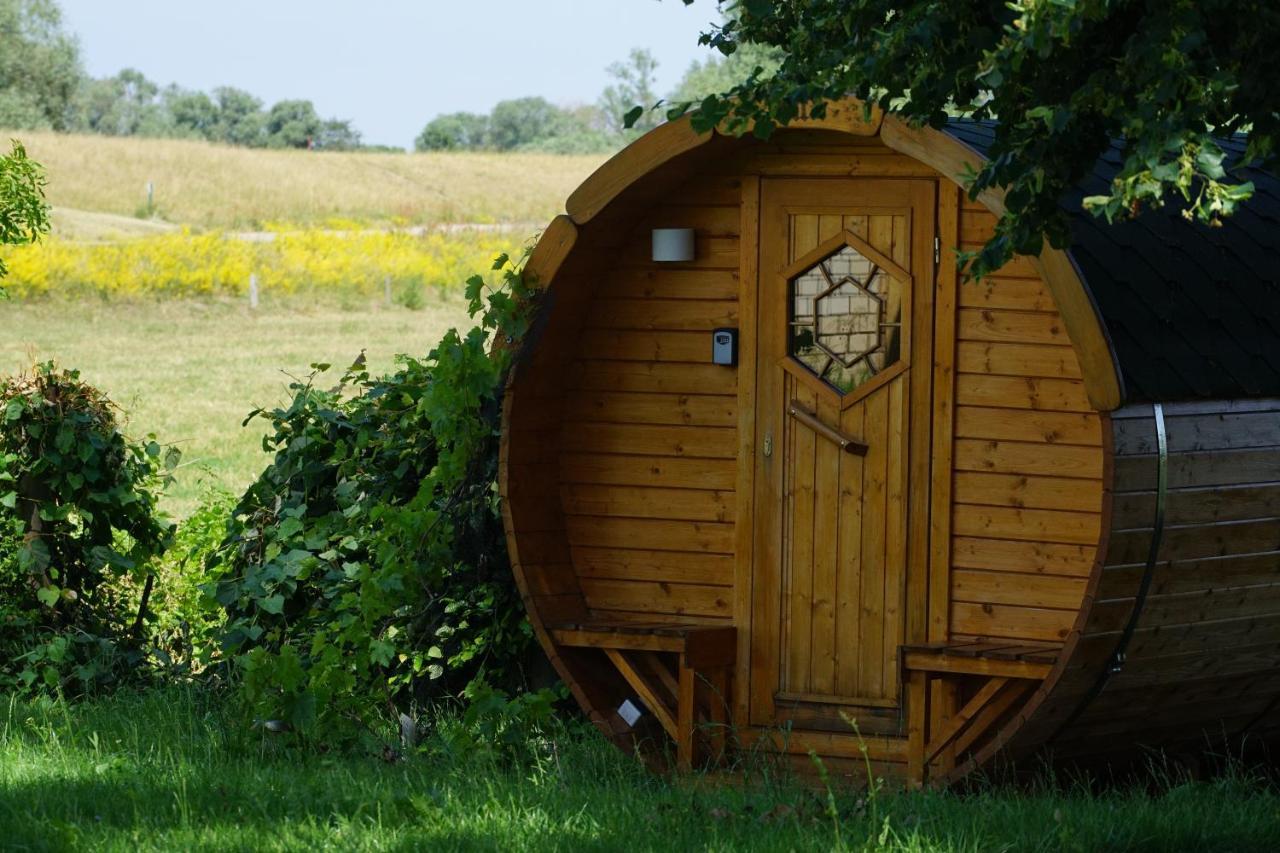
(190, 371)
(172, 770)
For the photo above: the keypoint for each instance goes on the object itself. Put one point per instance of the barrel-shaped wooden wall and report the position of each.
(1178, 645)
(627, 465)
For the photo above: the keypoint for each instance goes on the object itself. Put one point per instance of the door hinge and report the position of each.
(937, 251)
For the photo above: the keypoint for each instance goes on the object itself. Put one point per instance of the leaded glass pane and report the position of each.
(846, 319)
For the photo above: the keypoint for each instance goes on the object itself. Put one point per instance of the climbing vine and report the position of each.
(365, 570)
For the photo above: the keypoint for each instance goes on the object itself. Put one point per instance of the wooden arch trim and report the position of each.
(1098, 364)
(932, 147)
(668, 141)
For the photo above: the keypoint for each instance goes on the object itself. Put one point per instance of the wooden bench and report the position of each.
(704, 655)
(1011, 670)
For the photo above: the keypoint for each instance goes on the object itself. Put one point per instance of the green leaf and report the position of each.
(48, 595)
(272, 604)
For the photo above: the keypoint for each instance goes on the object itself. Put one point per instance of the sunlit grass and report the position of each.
(190, 371)
(173, 770)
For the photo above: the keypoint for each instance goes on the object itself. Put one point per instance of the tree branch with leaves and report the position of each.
(1062, 78)
(24, 213)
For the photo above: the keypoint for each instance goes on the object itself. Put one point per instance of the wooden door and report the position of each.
(844, 319)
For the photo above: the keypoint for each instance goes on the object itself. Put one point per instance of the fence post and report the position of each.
(253, 290)
(386, 289)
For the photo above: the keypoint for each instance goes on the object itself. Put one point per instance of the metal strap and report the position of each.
(1117, 660)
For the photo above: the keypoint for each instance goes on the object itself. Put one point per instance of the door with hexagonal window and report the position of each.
(844, 328)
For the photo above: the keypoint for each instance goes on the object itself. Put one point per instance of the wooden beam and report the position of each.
(647, 695)
(987, 717)
(611, 640)
(917, 718)
(684, 719)
(957, 722)
(929, 662)
(658, 146)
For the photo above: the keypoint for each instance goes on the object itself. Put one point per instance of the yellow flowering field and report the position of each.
(285, 262)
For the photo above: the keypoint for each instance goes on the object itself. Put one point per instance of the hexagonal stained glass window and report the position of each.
(846, 319)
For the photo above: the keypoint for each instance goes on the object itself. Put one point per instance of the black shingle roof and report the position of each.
(1192, 311)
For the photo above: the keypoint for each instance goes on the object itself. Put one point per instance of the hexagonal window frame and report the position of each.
(880, 265)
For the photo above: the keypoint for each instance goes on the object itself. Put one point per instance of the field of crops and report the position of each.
(285, 262)
(209, 186)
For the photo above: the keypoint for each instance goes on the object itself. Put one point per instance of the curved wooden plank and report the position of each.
(1088, 334)
(658, 146)
(550, 252)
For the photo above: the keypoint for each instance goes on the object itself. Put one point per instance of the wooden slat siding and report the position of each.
(665, 566)
(1015, 392)
(646, 440)
(1027, 498)
(1041, 427)
(662, 471)
(645, 346)
(836, 165)
(664, 283)
(1017, 359)
(654, 377)
(1206, 644)
(1201, 505)
(659, 598)
(697, 410)
(640, 502)
(1023, 491)
(667, 314)
(703, 537)
(1001, 326)
(649, 440)
(1025, 457)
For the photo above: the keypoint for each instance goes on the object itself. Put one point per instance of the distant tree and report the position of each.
(632, 89)
(519, 122)
(191, 113)
(40, 68)
(127, 104)
(454, 132)
(293, 124)
(721, 73)
(240, 118)
(337, 135)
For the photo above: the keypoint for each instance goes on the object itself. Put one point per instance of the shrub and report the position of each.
(365, 570)
(81, 497)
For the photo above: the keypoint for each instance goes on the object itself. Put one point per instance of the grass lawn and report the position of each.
(172, 770)
(190, 371)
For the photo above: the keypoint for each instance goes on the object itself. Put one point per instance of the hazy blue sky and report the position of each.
(389, 65)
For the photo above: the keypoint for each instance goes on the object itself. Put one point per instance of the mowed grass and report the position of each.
(172, 770)
(217, 186)
(190, 371)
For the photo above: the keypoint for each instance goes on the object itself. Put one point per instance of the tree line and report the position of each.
(536, 124)
(43, 86)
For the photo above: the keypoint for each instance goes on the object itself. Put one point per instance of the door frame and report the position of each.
(930, 409)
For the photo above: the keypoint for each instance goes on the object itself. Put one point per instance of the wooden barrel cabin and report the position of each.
(773, 475)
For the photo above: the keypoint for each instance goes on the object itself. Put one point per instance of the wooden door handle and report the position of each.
(847, 443)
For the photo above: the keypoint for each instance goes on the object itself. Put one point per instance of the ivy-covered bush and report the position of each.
(365, 570)
(78, 532)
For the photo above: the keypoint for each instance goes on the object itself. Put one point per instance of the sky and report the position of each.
(389, 65)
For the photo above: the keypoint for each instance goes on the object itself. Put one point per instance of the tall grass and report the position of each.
(216, 186)
(173, 770)
(190, 371)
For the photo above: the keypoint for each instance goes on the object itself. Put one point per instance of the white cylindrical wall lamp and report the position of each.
(673, 244)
